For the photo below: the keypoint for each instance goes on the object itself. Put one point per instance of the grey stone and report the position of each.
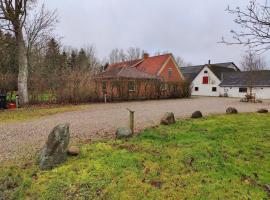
(55, 150)
(168, 119)
(123, 133)
(244, 100)
(263, 110)
(258, 101)
(231, 110)
(73, 151)
(196, 115)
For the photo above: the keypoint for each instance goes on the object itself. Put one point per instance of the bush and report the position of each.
(186, 89)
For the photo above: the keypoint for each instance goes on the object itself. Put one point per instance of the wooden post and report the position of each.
(105, 98)
(131, 120)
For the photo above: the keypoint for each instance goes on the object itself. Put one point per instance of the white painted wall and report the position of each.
(206, 89)
(261, 92)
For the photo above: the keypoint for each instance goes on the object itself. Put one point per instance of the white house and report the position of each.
(206, 79)
(238, 84)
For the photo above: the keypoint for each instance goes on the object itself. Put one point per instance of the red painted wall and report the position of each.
(176, 77)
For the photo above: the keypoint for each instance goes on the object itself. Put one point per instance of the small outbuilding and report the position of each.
(239, 84)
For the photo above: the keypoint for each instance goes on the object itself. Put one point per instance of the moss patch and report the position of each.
(220, 157)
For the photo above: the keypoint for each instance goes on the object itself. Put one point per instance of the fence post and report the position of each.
(17, 101)
(131, 120)
(105, 98)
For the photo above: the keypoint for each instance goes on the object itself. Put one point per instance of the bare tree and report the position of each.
(95, 65)
(181, 62)
(12, 18)
(39, 28)
(251, 63)
(254, 21)
(134, 53)
(117, 55)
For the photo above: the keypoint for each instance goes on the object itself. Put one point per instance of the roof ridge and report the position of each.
(167, 54)
(127, 61)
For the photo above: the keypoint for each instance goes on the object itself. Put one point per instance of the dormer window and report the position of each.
(170, 72)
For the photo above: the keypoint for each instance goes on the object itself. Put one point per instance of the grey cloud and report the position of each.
(188, 28)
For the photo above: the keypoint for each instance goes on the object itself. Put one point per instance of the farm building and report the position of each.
(206, 79)
(238, 84)
(147, 78)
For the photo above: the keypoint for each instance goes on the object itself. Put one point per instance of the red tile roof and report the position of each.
(126, 72)
(124, 64)
(152, 65)
(146, 68)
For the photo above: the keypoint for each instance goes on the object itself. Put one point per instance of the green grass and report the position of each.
(29, 113)
(220, 157)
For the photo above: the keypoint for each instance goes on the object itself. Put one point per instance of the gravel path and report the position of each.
(101, 121)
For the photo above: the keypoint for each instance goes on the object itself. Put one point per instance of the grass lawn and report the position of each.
(29, 113)
(219, 157)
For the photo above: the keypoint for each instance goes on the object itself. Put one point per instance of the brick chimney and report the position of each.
(209, 62)
(145, 55)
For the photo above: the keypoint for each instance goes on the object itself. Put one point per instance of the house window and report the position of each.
(205, 71)
(131, 86)
(214, 89)
(170, 72)
(243, 90)
(205, 80)
(104, 86)
(163, 86)
(196, 89)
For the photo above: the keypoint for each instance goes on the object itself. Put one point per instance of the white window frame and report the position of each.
(170, 72)
(104, 83)
(133, 86)
(163, 86)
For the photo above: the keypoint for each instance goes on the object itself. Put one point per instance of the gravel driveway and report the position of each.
(101, 121)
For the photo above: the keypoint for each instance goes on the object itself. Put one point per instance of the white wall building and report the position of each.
(239, 84)
(206, 83)
(206, 79)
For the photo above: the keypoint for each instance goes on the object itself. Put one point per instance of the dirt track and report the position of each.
(101, 121)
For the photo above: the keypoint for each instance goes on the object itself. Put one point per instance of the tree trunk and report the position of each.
(23, 68)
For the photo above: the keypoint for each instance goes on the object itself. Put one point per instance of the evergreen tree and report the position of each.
(53, 57)
(83, 60)
(72, 61)
(8, 61)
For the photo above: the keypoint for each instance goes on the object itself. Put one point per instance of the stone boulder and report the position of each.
(196, 115)
(73, 151)
(55, 150)
(231, 110)
(244, 100)
(258, 101)
(168, 119)
(123, 133)
(263, 110)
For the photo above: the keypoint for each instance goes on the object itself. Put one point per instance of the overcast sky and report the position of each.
(187, 28)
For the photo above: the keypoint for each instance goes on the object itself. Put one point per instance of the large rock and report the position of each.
(231, 110)
(55, 149)
(196, 115)
(123, 133)
(168, 119)
(73, 151)
(263, 110)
